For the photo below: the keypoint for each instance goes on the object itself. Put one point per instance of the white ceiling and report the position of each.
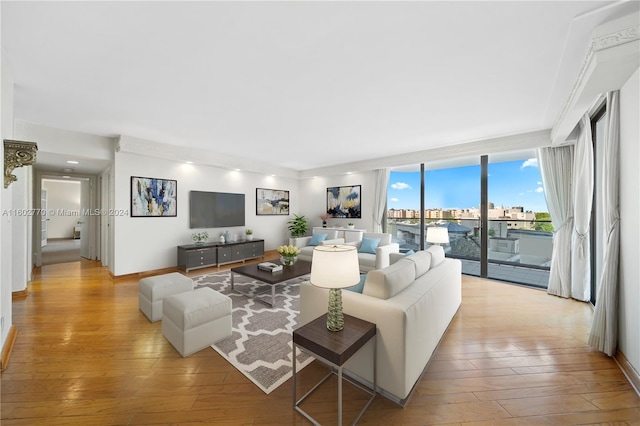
(303, 85)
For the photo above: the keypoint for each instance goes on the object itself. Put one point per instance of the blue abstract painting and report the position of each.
(344, 201)
(153, 197)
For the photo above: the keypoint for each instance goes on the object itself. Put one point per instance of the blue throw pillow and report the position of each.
(358, 287)
(409, 253)
(369, 245)
(317, 239)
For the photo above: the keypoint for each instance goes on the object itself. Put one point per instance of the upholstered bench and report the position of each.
(152, 290)
(193, 320)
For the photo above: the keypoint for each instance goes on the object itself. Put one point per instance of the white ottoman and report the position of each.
(193, 320)
(152, 290)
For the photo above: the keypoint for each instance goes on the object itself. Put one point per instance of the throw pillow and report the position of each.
(409, 253)
(317, 239)
(360, 286)
(369, 245)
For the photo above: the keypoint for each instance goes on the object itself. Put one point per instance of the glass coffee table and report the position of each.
(271, 279)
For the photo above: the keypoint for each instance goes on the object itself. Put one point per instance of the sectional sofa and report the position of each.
(412, 302)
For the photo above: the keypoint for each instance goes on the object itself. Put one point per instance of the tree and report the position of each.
(543, 226)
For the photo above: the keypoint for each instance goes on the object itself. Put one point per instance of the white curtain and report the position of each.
(556, 165)
(604, 327)
(582, 201)
(381, 177)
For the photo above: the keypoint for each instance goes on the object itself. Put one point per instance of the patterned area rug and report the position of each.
(261, 343)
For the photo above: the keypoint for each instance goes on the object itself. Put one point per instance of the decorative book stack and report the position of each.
(268, 266)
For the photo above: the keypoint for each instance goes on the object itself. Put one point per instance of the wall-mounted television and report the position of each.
(215, 209)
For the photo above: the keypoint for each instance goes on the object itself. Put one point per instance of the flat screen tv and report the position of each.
(215, 209)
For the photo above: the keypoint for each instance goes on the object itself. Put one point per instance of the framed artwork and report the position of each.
(272, 202)
(153, 197)
(344, 201)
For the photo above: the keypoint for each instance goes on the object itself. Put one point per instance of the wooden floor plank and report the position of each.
(85, 355)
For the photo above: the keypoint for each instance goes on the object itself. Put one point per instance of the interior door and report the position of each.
(85, 218)
(43, 217)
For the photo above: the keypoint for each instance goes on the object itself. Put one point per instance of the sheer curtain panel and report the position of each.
(604, 328)
(582, 201)
(556, 165)
(380, 197)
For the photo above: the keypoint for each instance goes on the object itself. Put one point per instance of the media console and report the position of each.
(192, 256)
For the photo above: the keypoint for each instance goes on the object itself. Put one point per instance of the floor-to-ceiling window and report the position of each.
(519, 237)
(598, 239)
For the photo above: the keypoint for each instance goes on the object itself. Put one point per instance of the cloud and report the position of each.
(539, 183)
(540, 189)
(531, 162)
(394, 200)
(400, 186)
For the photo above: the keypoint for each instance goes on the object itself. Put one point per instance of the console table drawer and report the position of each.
(201, 257)
(224, 255)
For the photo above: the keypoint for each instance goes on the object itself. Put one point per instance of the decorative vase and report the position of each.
(288, 260)
(249, 237)
(324, 223)
(221, 239)
(199, 243)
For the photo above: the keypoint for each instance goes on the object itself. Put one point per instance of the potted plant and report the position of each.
(324, 218)
(248, 234)
(288, 254)
(298, 227)
(199, 238)
(350, 225)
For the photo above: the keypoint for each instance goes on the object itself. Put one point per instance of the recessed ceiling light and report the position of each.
(189, 162)
(66, 177)
(72, 162)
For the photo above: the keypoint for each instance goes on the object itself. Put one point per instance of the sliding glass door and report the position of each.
(518, 243)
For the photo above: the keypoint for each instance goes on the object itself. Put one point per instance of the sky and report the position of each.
(511, 183)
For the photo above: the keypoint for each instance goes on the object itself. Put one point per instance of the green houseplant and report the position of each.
(298, 226)
(249, 234)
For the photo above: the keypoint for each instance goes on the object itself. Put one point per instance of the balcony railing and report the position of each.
(519, 250)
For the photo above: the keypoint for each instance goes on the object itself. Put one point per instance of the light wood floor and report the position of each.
(85, 355)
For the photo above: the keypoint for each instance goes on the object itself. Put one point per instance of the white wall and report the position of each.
(6, 116)
(313, 198)
(62, 195)
(65, 142)
(149, 243)
(629, 291)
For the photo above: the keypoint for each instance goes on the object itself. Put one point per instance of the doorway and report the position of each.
(66, 224)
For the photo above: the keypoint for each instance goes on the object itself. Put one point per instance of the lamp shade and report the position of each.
(335, 266)
(438, 235)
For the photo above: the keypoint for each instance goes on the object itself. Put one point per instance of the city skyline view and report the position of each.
(511, 183)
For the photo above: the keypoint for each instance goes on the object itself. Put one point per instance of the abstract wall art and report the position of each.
(153, 197)
(344, 201)
(272, 202)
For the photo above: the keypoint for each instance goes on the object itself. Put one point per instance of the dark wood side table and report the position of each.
(334, 348)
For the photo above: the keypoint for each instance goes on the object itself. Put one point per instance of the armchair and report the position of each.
(372, 256)
(306, 244)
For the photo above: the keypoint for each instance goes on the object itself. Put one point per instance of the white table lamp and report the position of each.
(335, 267)
(438, 235)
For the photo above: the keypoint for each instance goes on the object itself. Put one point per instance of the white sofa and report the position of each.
(379, 260)
(412, 303)
(306, 251)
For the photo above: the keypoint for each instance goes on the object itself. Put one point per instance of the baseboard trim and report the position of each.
(628, 370)
(7, 348)
(19, 295)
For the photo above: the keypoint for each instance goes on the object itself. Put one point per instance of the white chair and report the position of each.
(374, 249)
